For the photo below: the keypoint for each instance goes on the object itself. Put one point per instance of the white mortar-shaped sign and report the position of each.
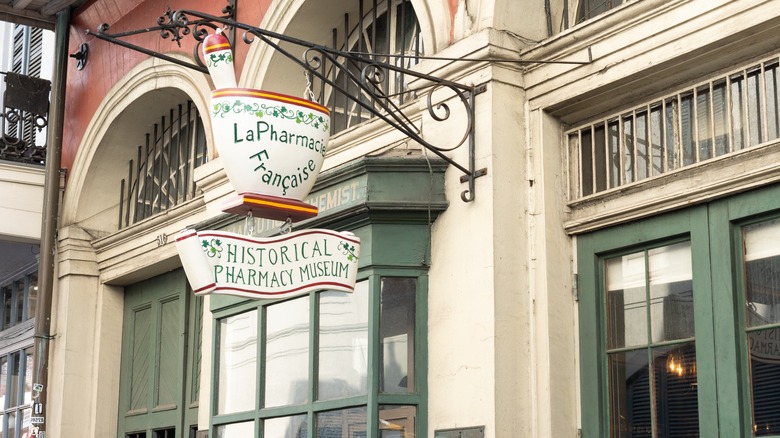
(272, 145)
(275, 267)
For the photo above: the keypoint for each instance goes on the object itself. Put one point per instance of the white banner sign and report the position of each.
(274, 267)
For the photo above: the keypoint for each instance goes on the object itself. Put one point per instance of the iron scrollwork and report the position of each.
(317, 60)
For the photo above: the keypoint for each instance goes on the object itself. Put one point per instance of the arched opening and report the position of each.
(391, 31)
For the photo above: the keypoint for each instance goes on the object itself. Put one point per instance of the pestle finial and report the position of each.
(219, 60)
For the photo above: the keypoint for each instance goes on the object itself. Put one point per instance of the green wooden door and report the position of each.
(161, 321)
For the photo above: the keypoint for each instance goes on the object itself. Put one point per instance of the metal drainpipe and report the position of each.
(51, 201)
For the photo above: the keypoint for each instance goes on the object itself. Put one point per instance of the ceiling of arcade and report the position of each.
(38, 13)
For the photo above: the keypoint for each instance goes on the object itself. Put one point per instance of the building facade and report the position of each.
(613, 273)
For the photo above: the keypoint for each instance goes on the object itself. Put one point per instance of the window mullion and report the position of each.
(649, 322)
(314, 332)
(374, 344)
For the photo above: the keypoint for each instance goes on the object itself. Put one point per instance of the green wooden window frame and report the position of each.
(372, 400)
(715, 233)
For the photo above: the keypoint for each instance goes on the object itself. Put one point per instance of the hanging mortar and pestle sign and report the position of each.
(272, 147)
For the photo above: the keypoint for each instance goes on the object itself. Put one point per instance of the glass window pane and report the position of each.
(762, 285)
(720, 111)
(32, 296)
(686, 130)
(675, 390)
(764, 359)
(656, 141)
(28, 376)
(397, 421)
(25, 418)
(3, 382)
(772, 108)
(13, 388)
(286, 427)
(574, 163)
(600, 151)
(672, 132)
(671, 391)
(287, 353)
(246, 429)
(737, 112)
(19, 302)
(586, 162)
(8, 293)
(630, 403)
(703, 123)
(11, 417)
(762, 272)
(629, 159)
(754, 108)
(671, 292)
(237, 363)
(343, 343)
(342, 423)
(626, 301)
(397, 328)
(642, 152)
(614, 152)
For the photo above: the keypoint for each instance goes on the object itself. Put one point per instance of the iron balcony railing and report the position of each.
(23, 119)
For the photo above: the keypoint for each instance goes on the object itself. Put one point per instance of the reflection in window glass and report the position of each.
(342, 423)
(671, 292)
(762, 290)
(396, 327)
(237, 363)
(11, 416)
(28, 376)
(14, 371)
(286, 427)
(26, 416)
(590, 8)
(626, 301)
(397, 421)
(8, 294)
(3, 382)
(236, 430)
(287, 353)
(652, 388)
(762, 273)
(19, 302)
(343, 343)
(32, 296)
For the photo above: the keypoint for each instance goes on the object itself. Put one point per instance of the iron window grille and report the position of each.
(161, 176)
(727, 114)
(389, 32)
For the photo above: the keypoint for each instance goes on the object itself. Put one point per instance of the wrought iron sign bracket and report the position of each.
(319, 61)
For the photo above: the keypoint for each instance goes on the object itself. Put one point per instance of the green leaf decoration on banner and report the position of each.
(212, 248)
(348, 250)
